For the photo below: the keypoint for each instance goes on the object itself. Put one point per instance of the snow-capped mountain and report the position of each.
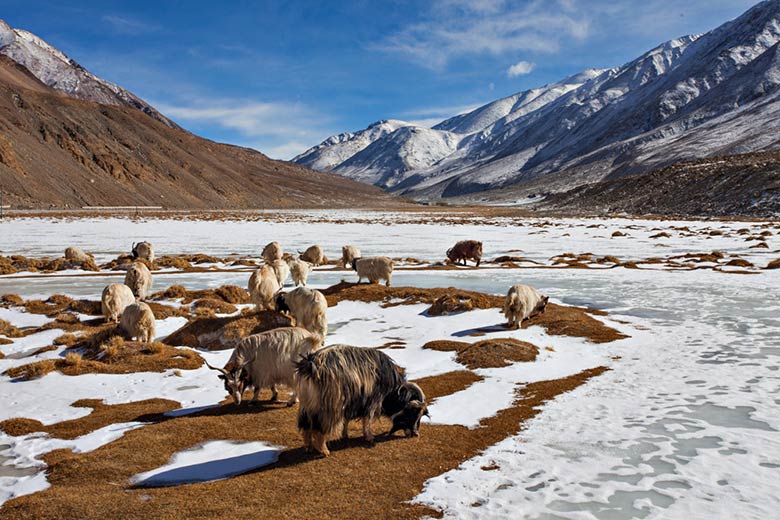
(53, 68)
(691, 97)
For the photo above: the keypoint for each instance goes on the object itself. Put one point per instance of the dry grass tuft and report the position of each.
(406, 295)
(174, 292)
(9, 330)
(67, 339)
(232, 294)
(218, 306)
(489, 353)
(33, 370)
(224, 333)
(73, 359)
(450, 305)
(173, 261)
(11, 300)
(739, 262)
(774, 264)
(227, 293)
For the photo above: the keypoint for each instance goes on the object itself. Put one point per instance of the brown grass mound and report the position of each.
(663, 234)
(124, 261)
(60, 303)
(113, 356)
(488, 353)
(218, 306)
(4, 341)
(11, 300)
(774, 264)
(67, 339)
(6, 266)
(446, 384)
(227, 293)
(225, 333)
(9, 330)
(16, 263)
(450, 305)
(173, 261)
(380, 481)
(561, 320)
(739, 262)
(102, 415)
(619, 234)
(407, 295)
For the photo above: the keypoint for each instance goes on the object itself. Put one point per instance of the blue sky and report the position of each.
(281, 76)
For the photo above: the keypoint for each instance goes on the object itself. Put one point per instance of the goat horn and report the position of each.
(225, 372)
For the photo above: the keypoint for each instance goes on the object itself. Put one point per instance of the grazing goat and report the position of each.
(115, 298)
(265, 360)
(374, 268)
(143, 250)
(300, 271)
(308, 308)
(139, 279)
(340, 383)
(263, 286)
(465, 250)
(349, 253)
(522, 302)
(271, 252)
(282, 271)
(77, 254)
(138, 322)
(313, 255)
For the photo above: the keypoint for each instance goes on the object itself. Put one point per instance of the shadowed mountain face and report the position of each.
(57, 151)
(693, 97)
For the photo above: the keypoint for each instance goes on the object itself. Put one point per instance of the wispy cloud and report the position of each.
(280, 130)
(520, 68)
(128, 25)
(457, 28)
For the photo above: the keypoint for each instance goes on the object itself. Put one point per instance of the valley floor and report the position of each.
(658, 401)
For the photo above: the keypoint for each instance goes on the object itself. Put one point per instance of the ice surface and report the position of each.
(212, 460)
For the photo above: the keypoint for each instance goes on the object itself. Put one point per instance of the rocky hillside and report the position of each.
(739, 185)
(58, 151)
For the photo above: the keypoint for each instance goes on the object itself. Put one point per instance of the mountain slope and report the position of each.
(55, 69)
(743, 185)
(691, 97)
(58, 151)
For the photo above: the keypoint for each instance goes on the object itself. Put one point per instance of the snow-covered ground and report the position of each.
(684, 424)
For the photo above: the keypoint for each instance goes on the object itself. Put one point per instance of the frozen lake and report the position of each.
(685, 423)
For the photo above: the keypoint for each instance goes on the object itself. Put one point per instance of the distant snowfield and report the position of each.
(683, 425)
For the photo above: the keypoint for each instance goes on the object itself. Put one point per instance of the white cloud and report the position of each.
(280, 130)
(456, 28)
(520, 68)
(127, 25)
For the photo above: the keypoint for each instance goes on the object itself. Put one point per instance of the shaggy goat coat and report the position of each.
(522, 302)
(139, 279)
(308, 307)
(271, 252)
(282, 271)
(300, 271)
(340, 383)
(77, 254)
(374, 268)
(115, 298)
(313, 255)
(349, 253)
(138, 322)
(267, 359)
(143, 250)
(263, 286)
(465, 250)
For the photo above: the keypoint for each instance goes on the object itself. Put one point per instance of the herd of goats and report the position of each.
(334, 385)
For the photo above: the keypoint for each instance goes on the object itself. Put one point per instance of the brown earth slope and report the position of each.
(56, 151)
(738, 185)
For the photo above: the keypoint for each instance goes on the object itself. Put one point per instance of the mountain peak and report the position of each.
(54, 68)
